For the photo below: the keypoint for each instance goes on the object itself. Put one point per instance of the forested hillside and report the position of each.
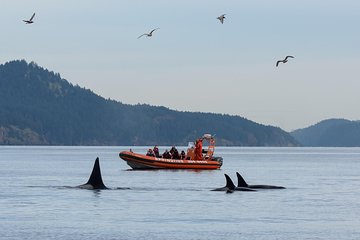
(330, 133)
(38, 107)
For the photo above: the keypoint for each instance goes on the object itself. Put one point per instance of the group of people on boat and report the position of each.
(174, 153)
(192, 157)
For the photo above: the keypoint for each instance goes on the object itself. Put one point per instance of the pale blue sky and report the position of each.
(194, 63)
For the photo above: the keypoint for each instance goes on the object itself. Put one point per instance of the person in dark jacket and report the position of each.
(166, 154)
(150, 153)
(175, 154)
(182, 155)
(156, 151)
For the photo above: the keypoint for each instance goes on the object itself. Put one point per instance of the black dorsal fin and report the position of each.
(241, 181)
(95, 179)
(229, 183)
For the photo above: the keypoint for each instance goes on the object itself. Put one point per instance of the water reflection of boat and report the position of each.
(191, 161)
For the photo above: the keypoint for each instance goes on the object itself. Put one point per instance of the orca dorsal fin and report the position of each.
(229, 183)
(241, 181)
(95, 179)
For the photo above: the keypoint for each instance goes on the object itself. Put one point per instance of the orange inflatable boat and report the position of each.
(192, 160)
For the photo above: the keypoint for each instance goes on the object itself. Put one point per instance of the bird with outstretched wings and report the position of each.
(30, 20)
(284, 60)
(149, 34)
(221, 18)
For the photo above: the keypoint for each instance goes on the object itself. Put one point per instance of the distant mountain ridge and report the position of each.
(38, 107)
(330, 133)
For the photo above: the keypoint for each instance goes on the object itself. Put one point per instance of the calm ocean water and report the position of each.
(322, 199)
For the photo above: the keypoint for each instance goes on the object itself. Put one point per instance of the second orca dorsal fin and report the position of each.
(95, 181)
(229, 183)
(241, 181)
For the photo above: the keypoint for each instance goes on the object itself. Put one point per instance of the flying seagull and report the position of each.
(221, 18)
(283, 61)
(30, 20)
(149, 34)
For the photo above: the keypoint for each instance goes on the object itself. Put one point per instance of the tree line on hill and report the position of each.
(38, 107)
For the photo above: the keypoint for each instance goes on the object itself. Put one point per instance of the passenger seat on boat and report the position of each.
(190, 151)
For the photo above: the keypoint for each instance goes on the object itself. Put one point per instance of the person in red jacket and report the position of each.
(198, 149)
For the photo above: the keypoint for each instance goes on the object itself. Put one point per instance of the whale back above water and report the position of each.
(243, 183)
(230, 186)
(95, 181)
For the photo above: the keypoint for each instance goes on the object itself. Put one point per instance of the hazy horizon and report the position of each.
(195, 63)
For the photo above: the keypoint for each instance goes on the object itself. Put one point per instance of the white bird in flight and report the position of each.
(149, 34)
(283, 61)
(221, 18)
(30, 20)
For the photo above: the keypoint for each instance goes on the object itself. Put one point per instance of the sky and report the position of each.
(195, 63)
